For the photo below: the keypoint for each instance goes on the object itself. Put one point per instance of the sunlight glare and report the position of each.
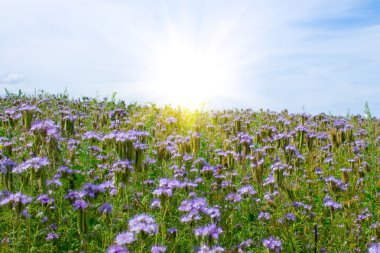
(189, 76)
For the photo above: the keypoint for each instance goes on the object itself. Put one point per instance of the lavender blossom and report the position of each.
(80, 204)
(125, 238)
(116, 249)
(290, 217)
(52, 236)
(263, 216)
(247, 190)
(158, 249)
(15, 198)
(143, 223)
(106, 208)
(35, 163)
(207, 249)
(272, 244)
(328, 202)
(374, 248)
(45, 199)
(209, 231)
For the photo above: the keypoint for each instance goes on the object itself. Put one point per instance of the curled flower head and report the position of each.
(207, 249)
(374, 248)
(35, 163)
(80, 204)
(45, 199)
(290, 217)
(125, 238)
(210, 231)
(143, 223)
(272, 244)
(264, 216)
(6, 165)
(116, 249)
(52, 236)
(328, 202)
(106, 208)
(158, 249)
(15, 198)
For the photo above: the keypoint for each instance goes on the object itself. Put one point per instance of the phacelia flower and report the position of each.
(106, 208)
(52, 236)
(143, 223)
(116, 249)
(158, 249)
(210, 231)
(125, 238)
(80, 204)
(272, 244)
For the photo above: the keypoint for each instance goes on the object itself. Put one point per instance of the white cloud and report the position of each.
(11, 78)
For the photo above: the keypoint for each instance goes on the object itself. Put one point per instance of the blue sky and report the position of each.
(314, 56)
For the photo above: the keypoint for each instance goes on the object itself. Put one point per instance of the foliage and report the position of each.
(98, 175)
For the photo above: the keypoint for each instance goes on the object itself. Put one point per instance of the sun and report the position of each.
(188, 75)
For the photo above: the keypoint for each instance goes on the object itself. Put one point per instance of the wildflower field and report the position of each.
(99, 175)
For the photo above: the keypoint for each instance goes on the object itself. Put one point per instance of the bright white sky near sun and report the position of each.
(317, 55)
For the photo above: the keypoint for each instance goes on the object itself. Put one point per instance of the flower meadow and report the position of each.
(98, 175)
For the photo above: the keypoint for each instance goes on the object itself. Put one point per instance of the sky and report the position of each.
(305, 56)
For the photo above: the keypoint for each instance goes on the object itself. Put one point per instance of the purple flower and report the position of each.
(17, 197)
(92, 190)
(74, 195)
(47, 127)
(191, 205)
(245, 244)
(106, 208)
(234, 197)
(116, 249)
(143, 223)
(328, 202)
(125, 238)
(206, 249)
(211, 231)
(336, 183)
(5, 241)
(264, 216)
(6, 165)
(44, 219)
(269, 180)
(53, 226)
(290, 217)
(246, 190)
(364, 215)
(45, 199)
(80, 204)
(212, 212)
(90, 135)
(26, 107)
(172, 231)
(171, 120)
(272, 244)
(374, 248)
(123, 165)
(25, 214)
(158, 249)
(155, 204)
(304, 206)
(35, 163)
(375, 225)
(52, 236)
(318, 171)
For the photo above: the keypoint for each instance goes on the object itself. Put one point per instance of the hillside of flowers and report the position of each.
(100, 175)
